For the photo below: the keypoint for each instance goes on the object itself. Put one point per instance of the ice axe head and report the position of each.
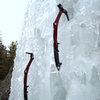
(64, 10)
(60, 6)
(31, 54)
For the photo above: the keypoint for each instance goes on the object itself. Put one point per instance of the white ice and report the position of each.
(79, 77)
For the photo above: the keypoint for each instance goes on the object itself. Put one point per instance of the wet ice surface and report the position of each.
(79, 77)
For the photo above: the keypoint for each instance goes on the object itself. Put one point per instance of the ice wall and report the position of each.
(79, 77)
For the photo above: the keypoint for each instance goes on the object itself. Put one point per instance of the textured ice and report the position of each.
(79, 77)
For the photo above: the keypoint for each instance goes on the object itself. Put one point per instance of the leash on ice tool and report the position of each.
(55, 42)
(26, 74)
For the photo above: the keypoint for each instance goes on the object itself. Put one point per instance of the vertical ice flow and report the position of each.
(79, 77)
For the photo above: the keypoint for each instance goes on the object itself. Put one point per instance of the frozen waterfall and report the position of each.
(79, 77)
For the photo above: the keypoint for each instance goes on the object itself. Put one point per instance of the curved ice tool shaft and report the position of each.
(55, 42)
(26, 75)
